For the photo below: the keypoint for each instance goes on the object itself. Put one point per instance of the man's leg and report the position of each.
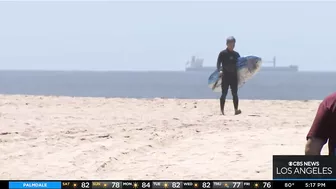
(234, 91)
(225, 88)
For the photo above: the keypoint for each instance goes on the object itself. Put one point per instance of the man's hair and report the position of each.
(230, 39)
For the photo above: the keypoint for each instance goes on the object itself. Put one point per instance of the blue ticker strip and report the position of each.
(35, 185)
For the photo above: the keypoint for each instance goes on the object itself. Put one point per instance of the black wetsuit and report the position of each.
(227, 60)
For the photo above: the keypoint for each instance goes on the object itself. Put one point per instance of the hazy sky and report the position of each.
(163, 35)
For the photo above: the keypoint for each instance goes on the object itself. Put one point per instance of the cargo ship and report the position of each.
(196, 64)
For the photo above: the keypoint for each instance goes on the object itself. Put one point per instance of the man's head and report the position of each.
(230, 43)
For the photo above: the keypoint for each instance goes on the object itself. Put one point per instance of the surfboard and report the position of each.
(247, 67)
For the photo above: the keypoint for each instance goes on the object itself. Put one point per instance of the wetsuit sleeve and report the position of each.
(238, 56)
(219, 61)
(320, 126)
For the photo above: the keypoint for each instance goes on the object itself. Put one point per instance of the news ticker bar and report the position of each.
(202, 184)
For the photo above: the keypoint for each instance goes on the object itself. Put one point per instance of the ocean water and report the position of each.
(265, 85)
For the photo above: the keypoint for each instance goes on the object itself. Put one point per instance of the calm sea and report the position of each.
(265, 85)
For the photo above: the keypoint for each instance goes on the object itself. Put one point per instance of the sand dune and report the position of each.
(99, 138)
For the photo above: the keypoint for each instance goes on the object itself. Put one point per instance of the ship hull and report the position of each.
(203, 69)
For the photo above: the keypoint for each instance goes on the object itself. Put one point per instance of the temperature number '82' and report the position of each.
(85, 185)
(176, 185)
(206, 185)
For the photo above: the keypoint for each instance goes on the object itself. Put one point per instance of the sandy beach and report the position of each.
(45, 137)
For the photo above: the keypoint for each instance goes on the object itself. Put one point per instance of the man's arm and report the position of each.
(219, 61)
(314, 146)
(318, 133)
(238, 56)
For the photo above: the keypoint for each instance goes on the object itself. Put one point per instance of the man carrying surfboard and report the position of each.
(323, 128)
(227, 67)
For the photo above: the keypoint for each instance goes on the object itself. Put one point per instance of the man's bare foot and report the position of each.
(237, 112)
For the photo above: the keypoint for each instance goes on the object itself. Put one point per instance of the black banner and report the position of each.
(303, 184)
(169, 184)
(304, 167)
